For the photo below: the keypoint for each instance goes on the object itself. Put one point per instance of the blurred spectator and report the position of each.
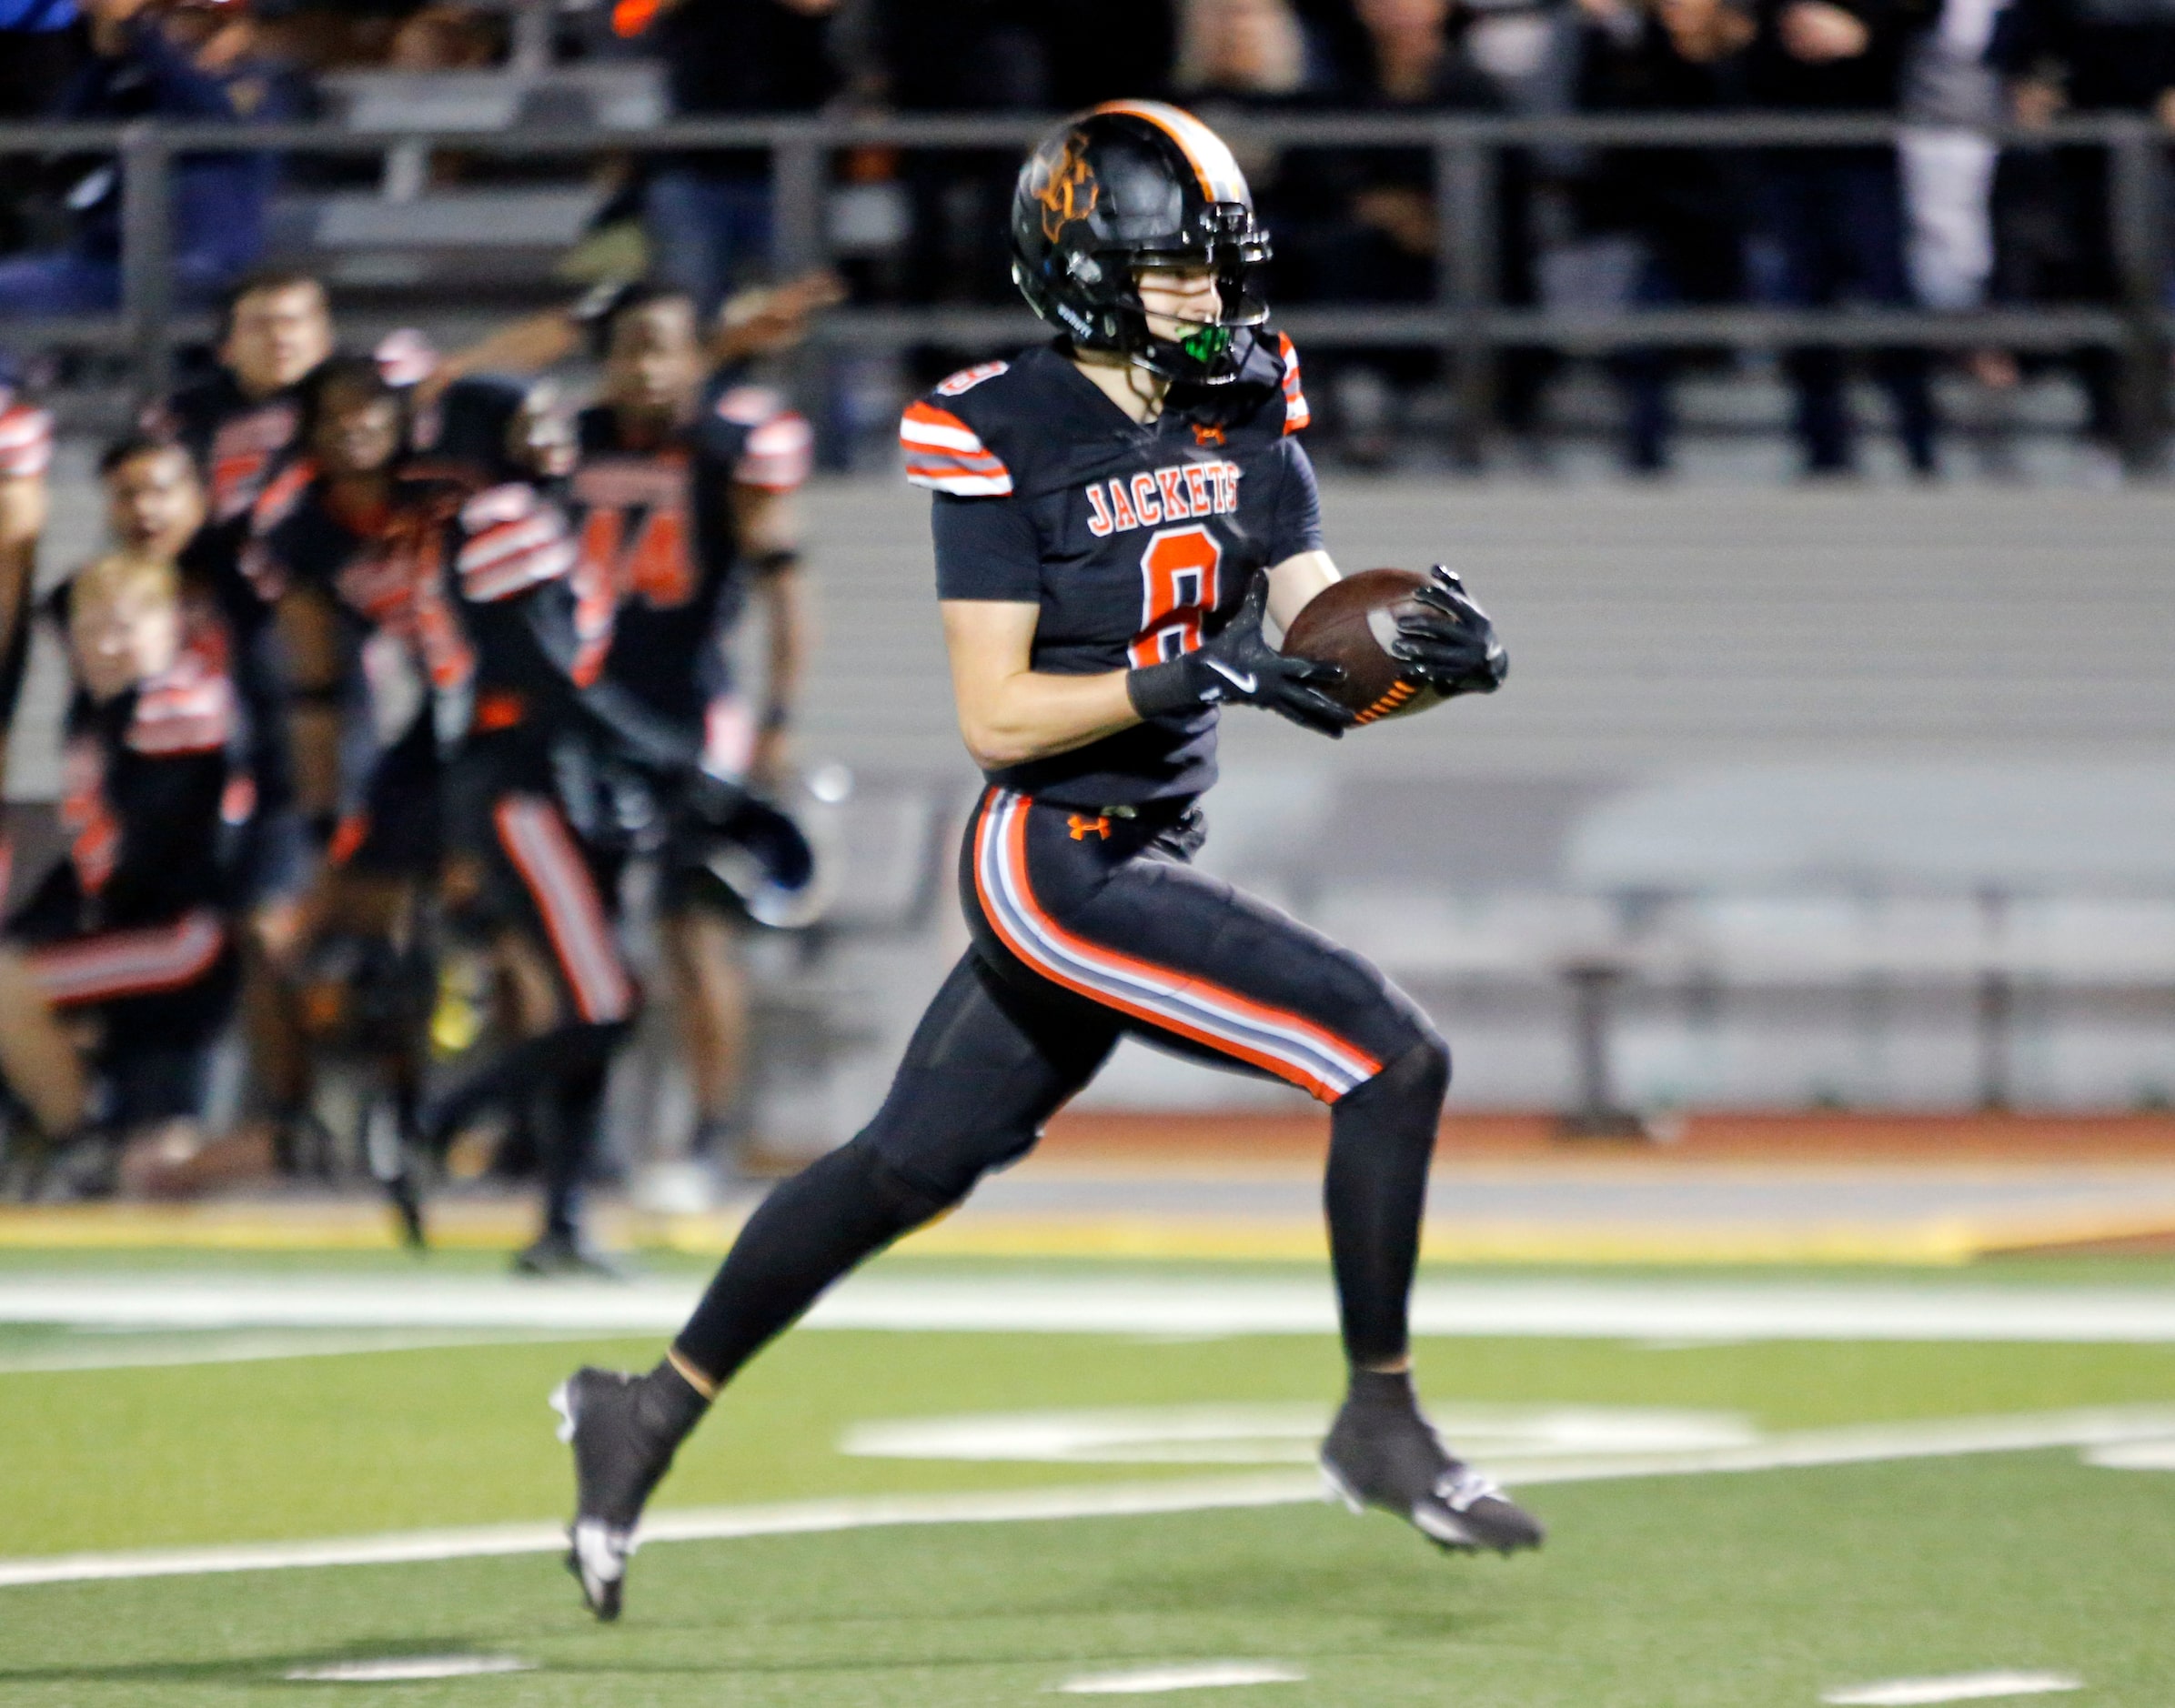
(1244, 51)
(1528, 49)
(1358, 225)
(1241, 59)
(2055, 242)
(1000, 56)
(1835, 216)
(709, 214)
(187, 61)
(1683, 209)
(446, 38)
(1951, 97)
(1372, 235)
(961, 56)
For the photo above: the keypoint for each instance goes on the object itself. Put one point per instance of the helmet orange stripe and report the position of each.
(1210, 157)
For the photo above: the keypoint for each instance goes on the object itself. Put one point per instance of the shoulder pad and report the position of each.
(515, 542)
(1296, 414)
(25, 442)
(778, 454)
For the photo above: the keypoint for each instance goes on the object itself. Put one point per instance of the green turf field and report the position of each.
(1765, 1587)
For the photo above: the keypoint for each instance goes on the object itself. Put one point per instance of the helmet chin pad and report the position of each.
(1201, 355)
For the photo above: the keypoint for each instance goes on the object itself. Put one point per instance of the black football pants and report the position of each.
(1089, 926)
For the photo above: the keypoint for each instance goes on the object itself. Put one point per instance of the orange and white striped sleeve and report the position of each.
(945, 455)
(1296, 414)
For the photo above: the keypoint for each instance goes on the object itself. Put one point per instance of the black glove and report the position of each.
(1239, 666)
(1449, 643)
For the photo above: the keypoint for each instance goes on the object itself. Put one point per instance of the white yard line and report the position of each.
(159, 1350)
(1942, 1438)
(1675, 1311)
(1154, 1681)
(405, 1669)
(1911, 1693)
(719, 1523)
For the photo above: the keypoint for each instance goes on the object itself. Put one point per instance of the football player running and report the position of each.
(1116, 517)
(685, 490)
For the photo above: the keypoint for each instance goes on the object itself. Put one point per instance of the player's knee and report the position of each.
(1430, 1065)
(1410, 1084)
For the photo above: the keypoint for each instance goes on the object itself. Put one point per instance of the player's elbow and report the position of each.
(993, 746)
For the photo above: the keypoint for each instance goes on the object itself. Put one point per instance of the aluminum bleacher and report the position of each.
(1858, 795)
(1863, 796)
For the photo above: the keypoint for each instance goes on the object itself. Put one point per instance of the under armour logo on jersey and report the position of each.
(1205, 433)
(1161, 495)
(1082, 826)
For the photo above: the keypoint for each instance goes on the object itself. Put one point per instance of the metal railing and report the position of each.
(1466, 320)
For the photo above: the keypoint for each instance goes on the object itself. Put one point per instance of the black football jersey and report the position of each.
(658, 524)
(506, 562)
(401, 643)
(1134, 540)
(240, 446)
(157, 800)
(239, 443)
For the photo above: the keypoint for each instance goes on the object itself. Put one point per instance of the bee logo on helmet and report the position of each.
(1065, 190)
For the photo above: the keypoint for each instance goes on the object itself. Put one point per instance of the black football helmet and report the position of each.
(1127, 184)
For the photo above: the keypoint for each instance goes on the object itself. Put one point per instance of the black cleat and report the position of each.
(624, 1431)
(557, 1256)
(1382, 1451)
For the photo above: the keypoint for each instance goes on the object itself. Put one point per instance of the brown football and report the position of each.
(1350, 623)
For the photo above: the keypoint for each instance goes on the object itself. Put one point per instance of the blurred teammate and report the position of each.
(1116, 516)
(332, 553)
(535, 843)
(684, 493)
(124, 957)
(240, 425)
